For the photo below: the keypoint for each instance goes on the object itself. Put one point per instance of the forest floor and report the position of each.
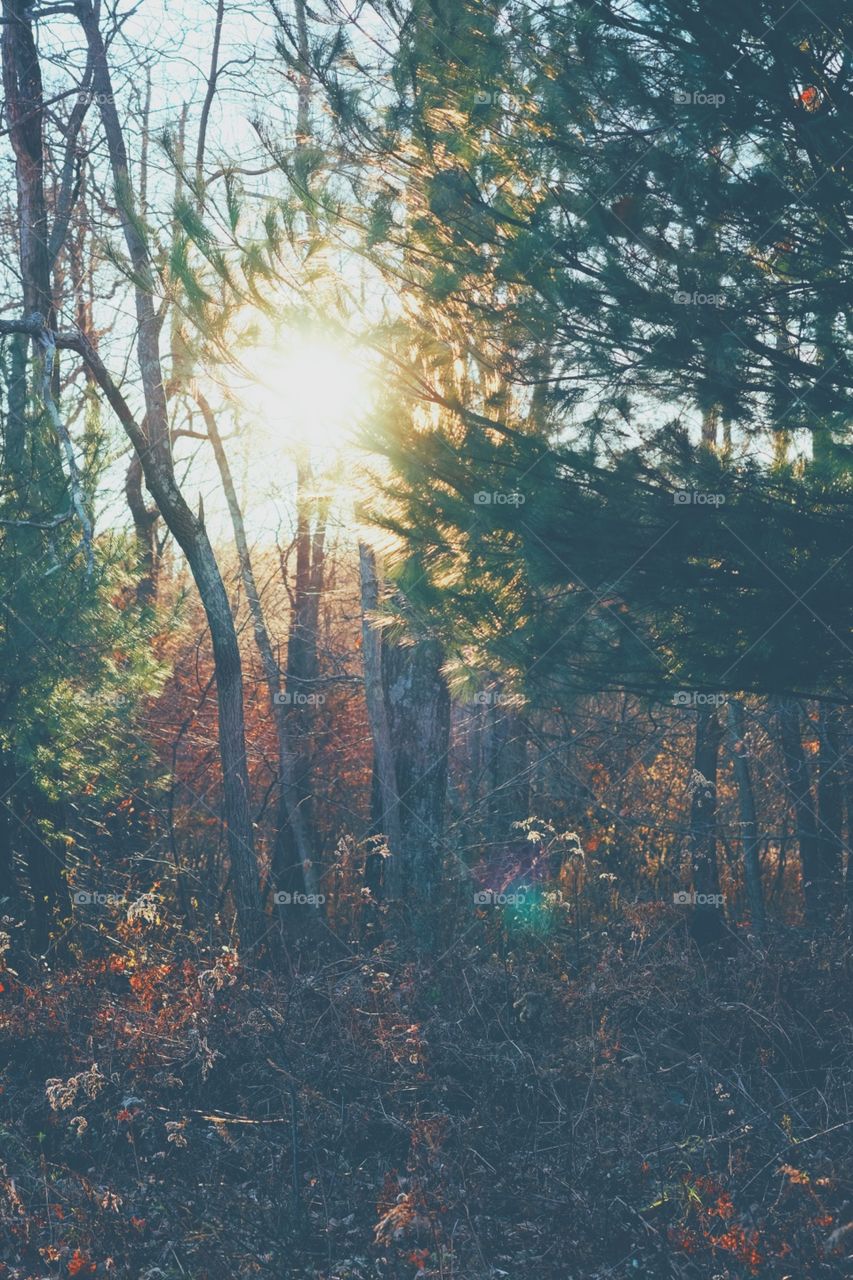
(495, 1109)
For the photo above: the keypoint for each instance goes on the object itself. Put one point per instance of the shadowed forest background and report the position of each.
(426, 663)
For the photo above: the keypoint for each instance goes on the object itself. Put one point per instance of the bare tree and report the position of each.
(152, 441)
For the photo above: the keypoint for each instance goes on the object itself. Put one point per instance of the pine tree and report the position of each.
(624, 234)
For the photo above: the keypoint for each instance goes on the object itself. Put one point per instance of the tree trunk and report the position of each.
(11, 897)
(302, 646)
(830, 802)
(303, 876)
(24, 110)
(708, 916)
(419, 715)
(22, 85)
(508, 800)
(386, 816)
(748, 823)
(800, 793)
(145, 528)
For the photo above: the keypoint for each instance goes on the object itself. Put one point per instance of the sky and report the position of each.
(167, 44)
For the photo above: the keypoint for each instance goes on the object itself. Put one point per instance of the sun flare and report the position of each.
(308, 389)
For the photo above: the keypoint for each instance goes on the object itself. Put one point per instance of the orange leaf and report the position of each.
(78, 1262)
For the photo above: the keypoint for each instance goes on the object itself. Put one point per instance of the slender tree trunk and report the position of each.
(16, 417)
(302, 646)
(145, 520)
(830, 803)
(232, 732)
(210, 94)
(24, 112)
(748, 823)
(22, 85)
(11, 897)
(800, 793)
(844, 744)
(419, 714)
(387, 814)
(288, 797)
(848, 869)
(708, 917)
(508, 800)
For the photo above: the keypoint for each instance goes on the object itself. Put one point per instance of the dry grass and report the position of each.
(501, 1111)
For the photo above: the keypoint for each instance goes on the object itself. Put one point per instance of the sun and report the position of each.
(310, 389)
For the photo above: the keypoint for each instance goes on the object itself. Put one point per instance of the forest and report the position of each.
(426, 639)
